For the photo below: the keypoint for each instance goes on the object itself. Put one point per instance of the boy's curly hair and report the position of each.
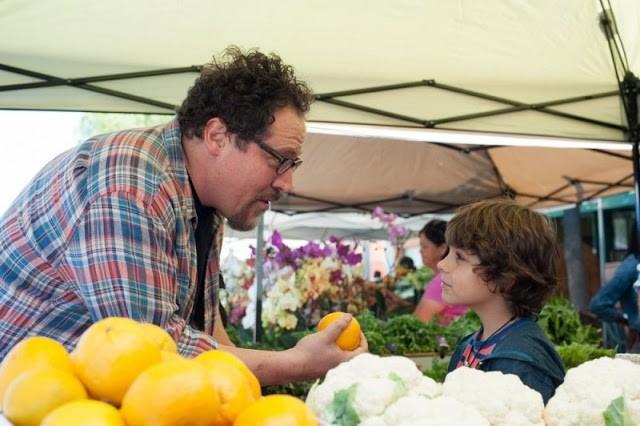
(517, 248)
(244, 90)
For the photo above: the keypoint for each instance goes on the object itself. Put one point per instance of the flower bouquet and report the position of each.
(300, 285)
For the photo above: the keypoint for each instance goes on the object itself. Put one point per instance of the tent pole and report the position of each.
(636, 177)
(601, 242)
(257, 329)
(629, 86)
(630, 89)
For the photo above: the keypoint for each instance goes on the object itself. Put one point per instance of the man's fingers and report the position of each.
(364, 344)
(333, 330)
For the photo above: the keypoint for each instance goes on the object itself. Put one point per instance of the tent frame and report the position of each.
(628, 90)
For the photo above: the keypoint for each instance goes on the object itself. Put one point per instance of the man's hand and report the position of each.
(317, 353)
(310, 359)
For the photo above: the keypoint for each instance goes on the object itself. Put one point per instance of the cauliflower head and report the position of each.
(590, 388)
(360, 390)
(440, 411)
(501, 398)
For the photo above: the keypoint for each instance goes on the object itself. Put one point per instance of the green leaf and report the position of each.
(575, 354)
(342, 407)
(400, 388)
(438, 370)
(616, 414)
(561, 322)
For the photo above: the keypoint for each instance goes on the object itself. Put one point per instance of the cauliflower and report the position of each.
(360, 390)
(441, 411)
(501, 398)
(590, 388)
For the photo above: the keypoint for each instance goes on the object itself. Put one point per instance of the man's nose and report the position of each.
(284, 182)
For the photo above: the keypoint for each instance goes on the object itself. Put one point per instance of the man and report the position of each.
(130, 223)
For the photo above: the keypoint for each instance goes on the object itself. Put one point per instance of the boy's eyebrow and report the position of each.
(461, 251)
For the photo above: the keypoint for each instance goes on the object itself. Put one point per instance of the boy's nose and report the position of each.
(440, 265)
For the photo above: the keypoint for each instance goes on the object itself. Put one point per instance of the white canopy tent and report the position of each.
(531, 68)
(320, 226)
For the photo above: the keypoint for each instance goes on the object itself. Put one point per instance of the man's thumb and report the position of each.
(333, 330)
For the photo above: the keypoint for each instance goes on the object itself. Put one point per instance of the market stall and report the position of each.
(421, 106)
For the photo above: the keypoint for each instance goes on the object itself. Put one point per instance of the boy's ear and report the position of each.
(215, 135)
(504, 284)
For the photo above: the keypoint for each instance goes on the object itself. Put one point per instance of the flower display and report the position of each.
(299, 285)
(396, 232)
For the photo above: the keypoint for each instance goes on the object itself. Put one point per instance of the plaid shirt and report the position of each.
(106, 229)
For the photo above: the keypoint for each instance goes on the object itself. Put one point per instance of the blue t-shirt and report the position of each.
(521, 348)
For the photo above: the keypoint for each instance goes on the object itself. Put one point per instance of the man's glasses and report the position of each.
(284, 163)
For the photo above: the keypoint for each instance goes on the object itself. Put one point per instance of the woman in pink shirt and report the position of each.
(433, 249)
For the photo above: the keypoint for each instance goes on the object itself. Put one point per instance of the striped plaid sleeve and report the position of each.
(122, 260)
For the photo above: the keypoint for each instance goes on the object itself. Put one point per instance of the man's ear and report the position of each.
(215, 135)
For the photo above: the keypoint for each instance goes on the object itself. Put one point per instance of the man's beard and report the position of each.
(244, 220)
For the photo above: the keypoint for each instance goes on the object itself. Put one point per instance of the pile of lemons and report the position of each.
(123, 372)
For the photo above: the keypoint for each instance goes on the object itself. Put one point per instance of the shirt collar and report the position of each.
(172, 141)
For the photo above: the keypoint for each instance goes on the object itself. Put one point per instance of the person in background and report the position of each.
(406, 264)
(616, 303)
(433, 248)
(502, 265)
(130, 224)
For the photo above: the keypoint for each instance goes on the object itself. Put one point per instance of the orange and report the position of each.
(110, 355)
(34, 394)
(277, 410)
(89, 412)
(31, 353)
(158, 335)
(169, 394)
(231, 385)
(349, 339)
(236, 362)
(169, 356)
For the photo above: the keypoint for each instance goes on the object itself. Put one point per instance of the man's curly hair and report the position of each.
(244, 90)
(517, 248)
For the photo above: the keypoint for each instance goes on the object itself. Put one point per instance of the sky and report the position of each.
(29, 140)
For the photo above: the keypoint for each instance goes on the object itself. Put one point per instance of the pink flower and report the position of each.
(237, 313)
(395, 231)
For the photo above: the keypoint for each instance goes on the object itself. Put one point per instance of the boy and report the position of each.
(501, 264)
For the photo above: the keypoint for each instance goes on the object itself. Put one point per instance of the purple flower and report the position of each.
(396, 231)
(335, 276)
(342, 250)
(276, 240)
(286, 256)
(313, 249)
(353, 258)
